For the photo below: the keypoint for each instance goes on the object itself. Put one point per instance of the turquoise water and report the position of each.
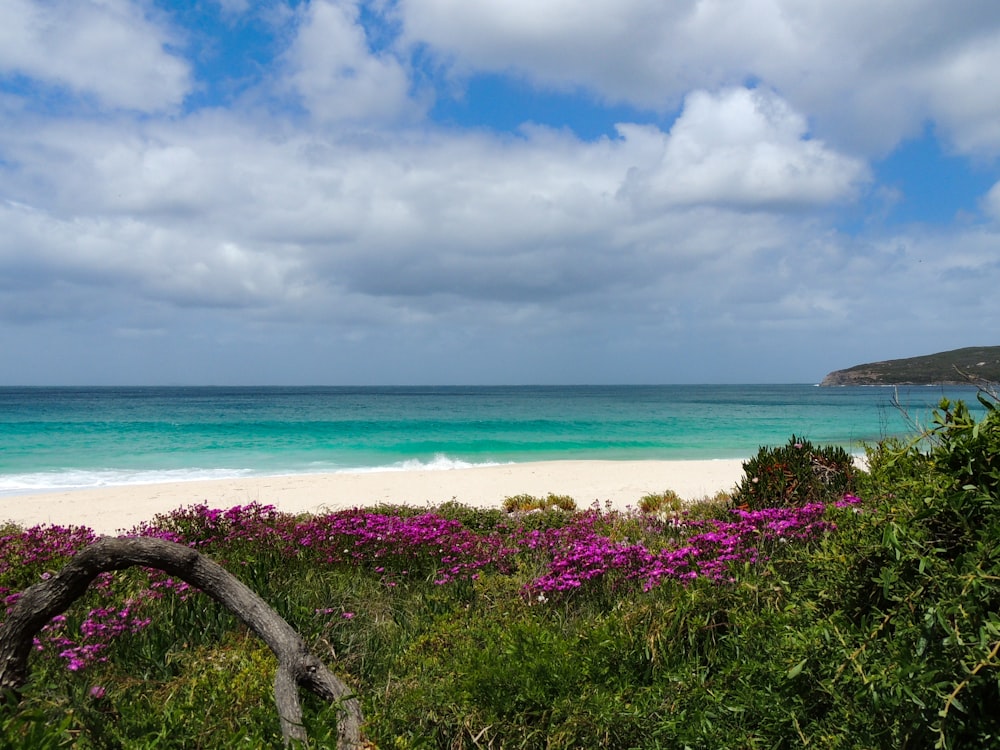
(54, 438)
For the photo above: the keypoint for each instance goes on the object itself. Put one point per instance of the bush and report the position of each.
(717, 506)
(795, 474)
(929, 573)
(525, 503)
(667, 501)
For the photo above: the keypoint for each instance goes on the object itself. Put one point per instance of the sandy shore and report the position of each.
(112, 509)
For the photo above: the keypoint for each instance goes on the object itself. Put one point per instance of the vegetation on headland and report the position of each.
(864, 614)
(972, 365)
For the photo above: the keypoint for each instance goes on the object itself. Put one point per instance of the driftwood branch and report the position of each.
(297, 667)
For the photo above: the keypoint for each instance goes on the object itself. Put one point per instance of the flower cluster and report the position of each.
(580, 553)
(399, 545)
(100, 626)
(203, 527)
(29, 554)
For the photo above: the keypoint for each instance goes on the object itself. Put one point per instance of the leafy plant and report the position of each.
(667, 501)
(715, 506)
(934, 637)
(524, 503)
(795, 474)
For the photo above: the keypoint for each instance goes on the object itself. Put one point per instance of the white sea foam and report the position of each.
(80, 479)
(440, 462)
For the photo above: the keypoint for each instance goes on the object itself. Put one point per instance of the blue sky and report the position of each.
(439, 191)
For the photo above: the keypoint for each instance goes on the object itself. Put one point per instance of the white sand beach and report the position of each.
(114, 509)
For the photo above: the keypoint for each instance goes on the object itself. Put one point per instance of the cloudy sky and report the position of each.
(494, 191)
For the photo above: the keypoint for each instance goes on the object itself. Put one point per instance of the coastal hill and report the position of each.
(980, 363)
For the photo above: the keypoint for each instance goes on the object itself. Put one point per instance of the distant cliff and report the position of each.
(982, 363)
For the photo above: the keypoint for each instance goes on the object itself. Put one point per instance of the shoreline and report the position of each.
(114, 509)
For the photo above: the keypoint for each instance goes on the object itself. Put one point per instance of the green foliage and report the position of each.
(667, 501)
(476, 519)
(716, 506)
(795, 474)
(524, 503)
(939, 578)
(30, 727)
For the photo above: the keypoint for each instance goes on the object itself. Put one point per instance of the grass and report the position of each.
(860, 622)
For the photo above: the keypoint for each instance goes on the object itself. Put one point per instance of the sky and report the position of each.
(238, 192)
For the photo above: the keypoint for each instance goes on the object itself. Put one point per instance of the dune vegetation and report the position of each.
(819, 605)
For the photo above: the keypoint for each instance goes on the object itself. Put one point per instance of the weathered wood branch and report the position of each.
(297, 667)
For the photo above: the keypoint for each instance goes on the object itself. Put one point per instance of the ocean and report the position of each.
(67, 438)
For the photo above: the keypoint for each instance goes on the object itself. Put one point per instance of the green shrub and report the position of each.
(524, 503)
(932, 565)
(563, 502)
(795, 474)
(480, 520)
(717, 506)
(667, 501)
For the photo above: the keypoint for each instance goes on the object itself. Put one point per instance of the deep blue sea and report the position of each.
(60, 438)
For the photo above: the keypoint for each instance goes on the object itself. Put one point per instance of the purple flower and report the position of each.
(589, 550)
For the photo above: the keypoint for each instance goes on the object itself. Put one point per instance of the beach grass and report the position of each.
(860, 620)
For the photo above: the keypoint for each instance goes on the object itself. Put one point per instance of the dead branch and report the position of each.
(297, 667)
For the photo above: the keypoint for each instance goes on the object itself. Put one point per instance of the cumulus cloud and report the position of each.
(415, 216)
(558, 43)
(352, 220)
(964, 97)
(991, 202)
(740, 147)
(869, 74)
(436, 231)
(106, 49)
(144, 259)
(337, 75)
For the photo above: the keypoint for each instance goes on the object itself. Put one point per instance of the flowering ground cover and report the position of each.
(568, 554)
(579, 551)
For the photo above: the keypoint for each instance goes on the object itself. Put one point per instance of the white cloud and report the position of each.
(991, 202)
(740, 147)
(608, 45)
(363, 227)
(869, 74)
(143, 260)
(101, 48)
(426, 227)
(338, 77)
(965, 97)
